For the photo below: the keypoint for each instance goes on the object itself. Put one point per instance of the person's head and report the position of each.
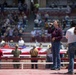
(16, 46)
(50, 45)
(11, 41)
(34, 46)
(21, 38)
(40, 43)
(56, 24)
(50, 24)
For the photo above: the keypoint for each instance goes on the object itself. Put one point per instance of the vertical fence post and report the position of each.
(22, 65)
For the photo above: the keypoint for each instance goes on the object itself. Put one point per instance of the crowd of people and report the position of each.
(12, 24)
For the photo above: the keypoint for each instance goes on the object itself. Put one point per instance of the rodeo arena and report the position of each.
(37, 37)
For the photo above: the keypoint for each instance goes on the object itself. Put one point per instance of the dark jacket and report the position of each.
(57, 33)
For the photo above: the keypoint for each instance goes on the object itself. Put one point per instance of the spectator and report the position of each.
(16, 54)
(36, 22)
(2, 42)
(32, 6)
(38, 16)
(10, 33)
(6, 45)
(46, 16)
(21, 42)
(36, 6)
(24, 20)
(16, 32)
(25, 7)
(34, 54)
(20, 7)
(40, 45)
(33, 35)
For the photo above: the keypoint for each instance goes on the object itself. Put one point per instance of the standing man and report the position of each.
(16, 54)
(56, 33)
(34, 54)
(71, 37)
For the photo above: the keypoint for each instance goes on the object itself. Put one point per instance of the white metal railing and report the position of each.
(22, 63)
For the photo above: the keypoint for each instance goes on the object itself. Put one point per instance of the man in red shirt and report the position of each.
(1, 54)
(6, 45)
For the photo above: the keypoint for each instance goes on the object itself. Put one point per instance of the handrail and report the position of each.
(22, 63)
(13, 58)
(30, 58)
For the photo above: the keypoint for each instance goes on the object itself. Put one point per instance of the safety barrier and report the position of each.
(23, 63)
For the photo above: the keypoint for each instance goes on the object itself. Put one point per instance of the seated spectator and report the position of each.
(36, 7)
(21, 42)
(24, 20)
(16, 32)
(46, 25)
(38, 16)
(6, 45)
(11, 43)
(20, 32)
(33, 35)
(2, 42)
(25, 7)
(40, 45)
(36, 22)
(46, 17)
(10, 33)
(20, 7)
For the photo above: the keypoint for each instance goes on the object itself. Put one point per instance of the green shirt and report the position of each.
(16, 53)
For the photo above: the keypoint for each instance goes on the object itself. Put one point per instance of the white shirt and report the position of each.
(11, 32)
(2, 42)
(70, 35)
(32, 33)
(36, 21)
(46, 16)
(21, 42)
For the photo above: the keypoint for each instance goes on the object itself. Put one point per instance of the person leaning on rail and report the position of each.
(16, 54)
(34, 54)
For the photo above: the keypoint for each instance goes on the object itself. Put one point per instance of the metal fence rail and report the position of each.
(22, 63)
(39, 62)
